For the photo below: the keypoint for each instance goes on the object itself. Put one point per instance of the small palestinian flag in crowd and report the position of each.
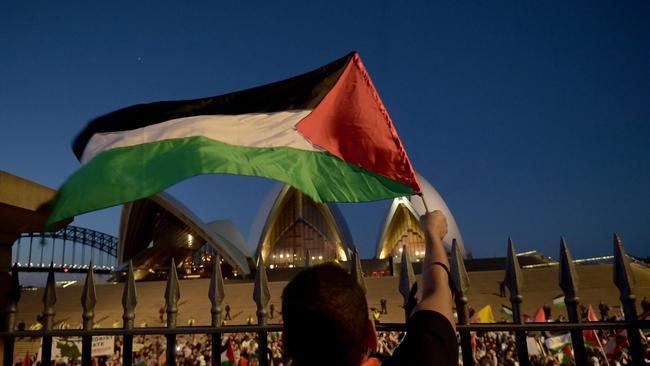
(561, 347)
(326, 133)
(540, 315)
(506, 311)
(228, 356)
(616, 342)
(591, 336)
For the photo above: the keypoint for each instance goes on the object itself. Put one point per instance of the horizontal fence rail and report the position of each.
(459, 281)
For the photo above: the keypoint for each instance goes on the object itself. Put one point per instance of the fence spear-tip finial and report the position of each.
(129, 299)
(216, 293)
(514, 278)
(308, 262)
(49, 299)
(261, 292)
(172, 295)
(88, 299)
(623, 275)
(568, 275)
(13, 296)
(407, 285)
(357, 270)
(459, 275)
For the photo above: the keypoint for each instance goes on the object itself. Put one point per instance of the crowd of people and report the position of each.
(310, 337)
(489, 349)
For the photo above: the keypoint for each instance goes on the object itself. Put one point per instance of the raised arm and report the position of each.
(436, 294)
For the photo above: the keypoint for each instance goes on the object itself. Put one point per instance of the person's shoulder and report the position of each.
(430, 339)
(431, 322)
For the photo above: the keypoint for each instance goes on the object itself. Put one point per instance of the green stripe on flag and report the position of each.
(126, 174)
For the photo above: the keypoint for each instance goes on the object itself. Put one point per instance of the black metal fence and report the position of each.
(568, 282)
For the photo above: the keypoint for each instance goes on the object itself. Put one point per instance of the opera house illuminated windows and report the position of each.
(295, 225)
(288, 225)
(401, 226)
(156, 229)
(404, 231)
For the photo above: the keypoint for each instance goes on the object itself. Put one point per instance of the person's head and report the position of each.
(325, 317)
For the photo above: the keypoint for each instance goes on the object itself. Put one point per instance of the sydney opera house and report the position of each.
(288, 227)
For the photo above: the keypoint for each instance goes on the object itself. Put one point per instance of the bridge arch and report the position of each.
(71, 247)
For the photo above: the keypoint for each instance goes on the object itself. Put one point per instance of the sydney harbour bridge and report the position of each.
(70, 249)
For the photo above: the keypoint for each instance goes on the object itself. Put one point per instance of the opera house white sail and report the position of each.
(288, 224)
(401, 225)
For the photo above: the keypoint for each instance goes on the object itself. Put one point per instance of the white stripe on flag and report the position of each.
(249, 130)
(555, 344)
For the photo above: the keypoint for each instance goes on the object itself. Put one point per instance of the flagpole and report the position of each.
(426, 208)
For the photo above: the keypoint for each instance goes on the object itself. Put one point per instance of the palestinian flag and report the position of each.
(228, 356)
(591, 336)
(561, 347)
(507, 311)
(558, 301)
(326, 132)
(540, 315)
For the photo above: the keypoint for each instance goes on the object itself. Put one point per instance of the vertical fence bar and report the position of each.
(357, 270)
(624, 280)
(172, 295)
(460, 281)
(88, 301)
(49, 299)
(514, 282)
(129, 301)
(407, 285)
(569, 285)
(216, 294)
(10, 316)
(262, 296)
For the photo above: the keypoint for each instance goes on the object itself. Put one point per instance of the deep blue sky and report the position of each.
(531, 118)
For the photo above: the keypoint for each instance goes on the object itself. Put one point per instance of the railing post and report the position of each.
(129, 301)
(88, 301)
(49, 299)
(10, 315)
(460, 280)
(569, 285)
(624, 280)
(357, 270)
(514, 282)
(216, 294)
(262, 296)
(172, 295)
(407, 285)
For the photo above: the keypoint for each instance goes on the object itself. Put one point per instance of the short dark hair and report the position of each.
(325, 315)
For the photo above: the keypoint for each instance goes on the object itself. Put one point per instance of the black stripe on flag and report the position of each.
(300, 92)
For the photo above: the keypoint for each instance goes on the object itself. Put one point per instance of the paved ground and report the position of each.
(540, 286)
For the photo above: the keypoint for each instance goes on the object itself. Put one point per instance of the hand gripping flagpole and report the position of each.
(426, 208)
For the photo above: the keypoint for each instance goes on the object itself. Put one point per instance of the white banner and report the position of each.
(103, 346)
(70, 348)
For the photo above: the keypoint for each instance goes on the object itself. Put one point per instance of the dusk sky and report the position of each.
(531, 118)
